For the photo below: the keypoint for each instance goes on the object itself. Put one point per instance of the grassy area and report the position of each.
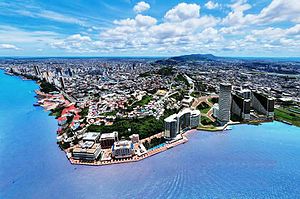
(145, 127)
(285, 114)
(166, 71)
(203, 107)
(213, 100)
(111, 113)
(195, 94)
(181, 78)
(145, 74)
(56, 112)
(84, 112)
(206, 121)
(145, 100)
(178, 96)
(47, 87)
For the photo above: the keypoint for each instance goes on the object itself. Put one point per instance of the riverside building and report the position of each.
(262, 104)
(185, 119)
(224, 103)
(240, 107)
(122, 149)
(108, 139)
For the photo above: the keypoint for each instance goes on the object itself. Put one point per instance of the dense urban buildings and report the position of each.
(111, 110)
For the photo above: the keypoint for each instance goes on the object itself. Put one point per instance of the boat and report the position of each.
(228, 128)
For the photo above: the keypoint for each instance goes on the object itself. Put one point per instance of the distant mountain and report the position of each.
(196, 57)
(191, 58)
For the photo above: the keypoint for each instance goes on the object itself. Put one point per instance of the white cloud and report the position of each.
(9, 47)
(277, 11)
(211, 5)
(183, 11)
(50, 15)
(141, 7)
(79, 37)
(184, 30)
(142, 20)
(125, 22)
(16, 35)
(236, 16)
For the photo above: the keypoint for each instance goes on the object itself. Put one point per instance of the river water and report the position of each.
(247, 162)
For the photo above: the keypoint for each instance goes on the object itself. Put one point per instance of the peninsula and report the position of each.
(117, 110)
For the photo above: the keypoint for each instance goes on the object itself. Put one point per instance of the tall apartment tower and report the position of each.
(262, 103)
(224, 102)
(37, 71)
(62, 83)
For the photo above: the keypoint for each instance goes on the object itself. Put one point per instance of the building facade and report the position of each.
(107, 140)
(224, 103)
(262, 103)
(122, 149)
(240, 107)
(185, 119)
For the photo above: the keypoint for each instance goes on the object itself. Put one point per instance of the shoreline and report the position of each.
(182, 140)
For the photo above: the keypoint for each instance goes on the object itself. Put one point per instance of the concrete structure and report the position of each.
(224, 103)
(185, 119)
(262, 103)
(37, 71)
(62, 82)
(89, 151)
(91, 136)
(215, 109)
(122, 149)
(187, 101)
(240, 107)
(244, 93)
(195, 118)
(107, 140)
(135, 138)
(171, 126)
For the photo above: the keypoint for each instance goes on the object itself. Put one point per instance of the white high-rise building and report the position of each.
(224, 102)
(185, 119)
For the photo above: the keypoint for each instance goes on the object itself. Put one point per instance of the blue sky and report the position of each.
(269, 28)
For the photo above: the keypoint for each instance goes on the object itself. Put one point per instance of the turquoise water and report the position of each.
(246, 162)
(156, 147)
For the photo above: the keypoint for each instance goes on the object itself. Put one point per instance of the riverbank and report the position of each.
(250, 161)
(56, 100)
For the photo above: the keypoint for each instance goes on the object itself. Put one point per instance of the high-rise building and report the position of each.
(195, 118)
(37, 71)
(70, 72)
(224, 102)
(184, 119)
(171, 126)
(62, 82)
(187, 118)
(262, 103)
(244, 93)
(240, 107)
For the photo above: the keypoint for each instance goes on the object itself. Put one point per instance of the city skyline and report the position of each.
(268, 28)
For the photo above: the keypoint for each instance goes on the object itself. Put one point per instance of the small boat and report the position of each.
(228, 128)
(36, 104)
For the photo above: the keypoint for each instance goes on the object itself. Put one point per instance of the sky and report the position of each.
(240, 28)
